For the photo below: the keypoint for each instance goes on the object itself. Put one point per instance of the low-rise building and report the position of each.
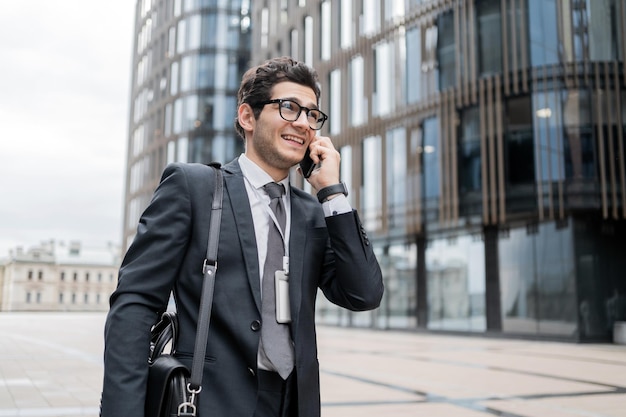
(56, 276)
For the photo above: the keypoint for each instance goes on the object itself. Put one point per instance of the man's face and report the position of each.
(277, 144)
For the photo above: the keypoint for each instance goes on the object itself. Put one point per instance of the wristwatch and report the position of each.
(326, 192)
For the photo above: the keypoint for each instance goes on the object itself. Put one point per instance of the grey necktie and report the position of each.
(275, 338)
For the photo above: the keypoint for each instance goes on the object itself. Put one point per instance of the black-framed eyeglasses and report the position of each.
(290, 111)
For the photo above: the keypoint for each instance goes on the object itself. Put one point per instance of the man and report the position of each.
(323, 245)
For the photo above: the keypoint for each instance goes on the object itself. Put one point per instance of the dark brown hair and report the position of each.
(257, 83)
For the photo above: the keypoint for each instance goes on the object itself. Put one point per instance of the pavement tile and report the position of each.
(51, 365)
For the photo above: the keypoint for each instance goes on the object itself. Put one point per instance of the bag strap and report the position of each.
(208, 269)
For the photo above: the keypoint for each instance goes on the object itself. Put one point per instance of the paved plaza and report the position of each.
(51, 365)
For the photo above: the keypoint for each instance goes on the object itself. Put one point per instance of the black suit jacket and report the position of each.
(332, 254)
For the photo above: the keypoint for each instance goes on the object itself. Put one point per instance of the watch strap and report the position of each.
(326, 192)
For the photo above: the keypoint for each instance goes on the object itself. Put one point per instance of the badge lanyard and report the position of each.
(270, 213)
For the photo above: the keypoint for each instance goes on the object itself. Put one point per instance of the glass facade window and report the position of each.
(325, 30)
(580, 158)
(335, 102)
(516, 45)
(543, 35)
(413, 71)
(446, 55)
(371, 203)
(455, 270)
(294, 43)
(182, 150)
(370, 17)
(548, 134)
(396, 177)
(537, 280)
(394, 9)
(346, 170)
(346, 28)
(358, 101)
(605, 42)
(520, 167)
(398, 264)
(489, 25)
(309, 40)
(430, 158)
(470, 177)
(384, 76)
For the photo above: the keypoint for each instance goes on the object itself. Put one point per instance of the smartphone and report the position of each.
(306, 165)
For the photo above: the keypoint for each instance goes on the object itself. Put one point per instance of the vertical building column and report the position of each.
(421, 288)
(492, 280)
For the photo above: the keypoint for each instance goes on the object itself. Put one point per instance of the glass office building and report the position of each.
(483, 143)
(188, 59)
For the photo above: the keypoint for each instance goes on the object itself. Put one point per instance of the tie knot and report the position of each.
(274, 190)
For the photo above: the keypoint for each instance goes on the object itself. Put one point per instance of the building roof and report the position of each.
(61, 253)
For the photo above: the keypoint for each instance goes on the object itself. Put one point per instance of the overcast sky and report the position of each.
(64, 90)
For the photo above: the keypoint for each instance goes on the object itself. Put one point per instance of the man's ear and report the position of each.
(245, 115)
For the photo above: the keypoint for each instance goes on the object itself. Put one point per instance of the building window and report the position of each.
(61, 298)
(489, 37)
(75, 276)
(469, 157)
(28, 297)
(370, 17)
(30, 275)
(537, 281)
(335, 102)
(446, 51)
(520, 159)
(384, 79)
(40, 275)
(548, 132)
(430, 158)
(394, 9)
(86, 276)
(544, 38)
(455, 270)
(308, 40)
(358, 102)
(86, 298)
(396, 177)
(346, 28)
(579, 149)
(62, 276)
(605, 42)
(346, 168)
(371, 203)
(413, 71)
(294, 49)
(325, 30)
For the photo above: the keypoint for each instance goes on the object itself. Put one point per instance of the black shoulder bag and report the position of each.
(172, 389)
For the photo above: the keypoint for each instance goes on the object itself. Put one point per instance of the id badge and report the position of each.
(283, 310)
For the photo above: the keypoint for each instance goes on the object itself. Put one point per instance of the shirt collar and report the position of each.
(256, 176)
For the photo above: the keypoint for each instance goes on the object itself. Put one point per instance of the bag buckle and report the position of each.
(209, 267)
(188, 408)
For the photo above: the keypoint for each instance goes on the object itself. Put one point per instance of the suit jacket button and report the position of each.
(251, 371)
(255, 325)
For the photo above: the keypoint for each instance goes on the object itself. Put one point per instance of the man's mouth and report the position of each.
(295, 139)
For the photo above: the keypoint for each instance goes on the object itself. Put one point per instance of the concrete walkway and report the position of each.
(51, 365)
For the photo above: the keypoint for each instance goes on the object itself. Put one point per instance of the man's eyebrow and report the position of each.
(310, 106)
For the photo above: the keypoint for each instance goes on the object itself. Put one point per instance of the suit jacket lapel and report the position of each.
(240, 205)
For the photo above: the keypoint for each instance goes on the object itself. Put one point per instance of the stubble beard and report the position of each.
(268, 151)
